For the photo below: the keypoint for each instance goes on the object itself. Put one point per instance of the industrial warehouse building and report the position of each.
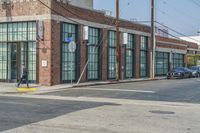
(34, 32)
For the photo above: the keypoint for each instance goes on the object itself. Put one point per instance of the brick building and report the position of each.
(34, 32)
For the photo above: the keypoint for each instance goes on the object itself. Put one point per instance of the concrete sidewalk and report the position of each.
(9, 88)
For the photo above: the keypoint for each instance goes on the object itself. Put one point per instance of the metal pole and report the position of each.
(153, 37)
(71, 69)
(117, 40)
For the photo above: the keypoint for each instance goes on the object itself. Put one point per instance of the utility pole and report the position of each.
(153, 37)
(117, 40)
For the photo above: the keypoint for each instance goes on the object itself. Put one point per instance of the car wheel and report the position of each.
(190, 76)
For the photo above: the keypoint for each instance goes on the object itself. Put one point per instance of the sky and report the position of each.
(182, 16)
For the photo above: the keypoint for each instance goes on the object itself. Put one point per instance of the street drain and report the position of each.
(162, 112)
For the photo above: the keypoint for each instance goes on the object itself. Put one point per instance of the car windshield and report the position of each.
(187, 69)
(194, 68)
(178, 69)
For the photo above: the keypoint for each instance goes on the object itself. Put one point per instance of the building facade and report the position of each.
(34, 32)
(82, 3)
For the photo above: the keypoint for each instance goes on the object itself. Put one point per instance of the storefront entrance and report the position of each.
(17, 56)
(14, 55)
(17, 47)
(14, 62)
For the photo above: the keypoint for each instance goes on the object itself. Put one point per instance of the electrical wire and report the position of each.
(195, 3)
(177, 32)
(181, 12)
(100, 42)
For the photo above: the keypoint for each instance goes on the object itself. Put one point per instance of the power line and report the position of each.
(180, 11)
(178, 21)
(195, 2)
(100, 42)
(178, 32)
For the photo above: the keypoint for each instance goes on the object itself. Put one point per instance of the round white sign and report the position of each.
(72, 46)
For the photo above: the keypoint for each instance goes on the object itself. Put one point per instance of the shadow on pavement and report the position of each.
(17, 112)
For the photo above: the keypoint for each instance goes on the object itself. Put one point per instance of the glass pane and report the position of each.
(68, 58)
(3, 61)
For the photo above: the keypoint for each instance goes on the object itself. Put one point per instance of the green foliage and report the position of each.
(193, 60)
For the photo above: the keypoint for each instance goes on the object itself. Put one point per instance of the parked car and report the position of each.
(179, 72)
(194, 72)
(197, 69)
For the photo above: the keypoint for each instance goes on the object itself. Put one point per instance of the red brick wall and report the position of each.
(49, 48)
(24, 8)
(45, 47)
(93, 16)
(171, 40)
(164, 45)
(56, 52)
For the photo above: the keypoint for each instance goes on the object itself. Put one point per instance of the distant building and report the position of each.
(37, 33)
(82, 3)
(194, 39)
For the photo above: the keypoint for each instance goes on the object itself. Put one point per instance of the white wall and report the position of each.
(82, 3)
(194, 39)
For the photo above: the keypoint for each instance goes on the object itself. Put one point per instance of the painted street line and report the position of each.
(125, 90)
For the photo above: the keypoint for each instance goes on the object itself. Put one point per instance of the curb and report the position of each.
(94, 84)
(115, 82)
(43, 90)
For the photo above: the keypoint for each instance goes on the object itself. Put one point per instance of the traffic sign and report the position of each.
(68, 39)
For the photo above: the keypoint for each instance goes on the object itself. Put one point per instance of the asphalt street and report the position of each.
(160, 106)
(185, 90)
(16, 112)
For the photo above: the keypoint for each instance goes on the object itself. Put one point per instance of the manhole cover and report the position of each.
(161, 112)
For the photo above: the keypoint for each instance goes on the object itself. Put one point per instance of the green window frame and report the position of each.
(68, 58)
(129, 72)
(112, 55)
(93, 54)
(24, 35)
(21, 31)
(3, 32)
(178, 60)
(143, 56)
(32, 59)
(3, 61)
(162, 63)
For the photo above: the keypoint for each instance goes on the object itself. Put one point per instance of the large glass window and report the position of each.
(17, 45)
(93, 54)
(32, 61)
(162, 63)
(3, 61)
(178, 60)
(129, 56)
(18, 31)
(68, 58)
(143, 56)
(3, 32)
(112, 55)
(31, 31)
